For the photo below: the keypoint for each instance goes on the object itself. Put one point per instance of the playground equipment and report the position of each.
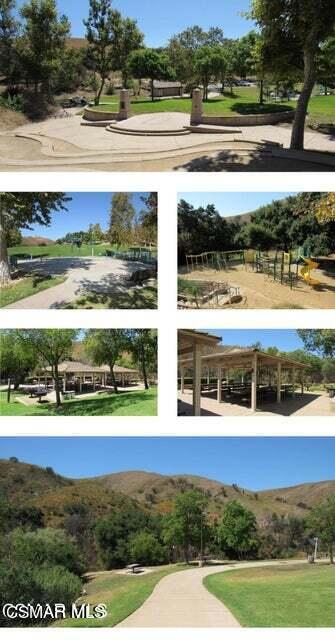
(134, 254)
(280, 266)
(305, 272)
(202, 293)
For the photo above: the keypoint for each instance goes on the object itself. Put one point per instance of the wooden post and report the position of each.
(182, 380)
(80, 383)
(278, 381)
(254, 383)
(293, 381)
(197, 380)
(302, 382)
(208, 378)
(64, 382)
(8, 390)
(93, 381)
(219, 389)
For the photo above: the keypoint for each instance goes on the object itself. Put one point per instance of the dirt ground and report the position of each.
(260, 292)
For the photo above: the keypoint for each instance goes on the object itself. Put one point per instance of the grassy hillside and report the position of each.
(52, 493)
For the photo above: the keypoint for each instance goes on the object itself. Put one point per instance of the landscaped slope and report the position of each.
(53, 494)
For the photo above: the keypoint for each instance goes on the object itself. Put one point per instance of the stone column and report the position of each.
(196, 114)
(124, 109)
(278, 381)
(197, 380)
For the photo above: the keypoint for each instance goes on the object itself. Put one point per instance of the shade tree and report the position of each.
(322, 523)
(20, 210)
(152, 64)
(122, 216)
(142, 344)
(237, 531)
(105, 346)
(186, 526)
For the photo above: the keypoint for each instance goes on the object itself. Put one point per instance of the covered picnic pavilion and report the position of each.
(260, 373)
(79, 376)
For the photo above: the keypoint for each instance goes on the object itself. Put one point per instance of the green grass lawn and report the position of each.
(27, 286)
(59, 251)
(131, 403)
(134, 298)
(244, 101)
(122, 595)
(282, 596)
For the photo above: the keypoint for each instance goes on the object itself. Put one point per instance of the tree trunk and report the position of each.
(261, 92)
(144, 370)
(222, 86)
(298, 131)
(98, 96)
(331, 554)
(111, 366)
(8, 390)
(152, 90)
(57, 387)
(4, 260)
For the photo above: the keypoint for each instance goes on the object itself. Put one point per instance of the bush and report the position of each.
(110, 89)
(14, 103)
(145, 548)
(17, 584)
(46, 547)
(57, 584)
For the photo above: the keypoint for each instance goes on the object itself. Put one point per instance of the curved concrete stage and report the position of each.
(153, 124)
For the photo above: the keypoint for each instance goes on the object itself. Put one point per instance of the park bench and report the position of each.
(38, 393)
(69, 395)
(134, 568)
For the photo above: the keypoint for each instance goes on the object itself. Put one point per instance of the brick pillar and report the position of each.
(124, 110)
(196, 114)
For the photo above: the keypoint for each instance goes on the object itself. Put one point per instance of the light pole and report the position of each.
(316, 540)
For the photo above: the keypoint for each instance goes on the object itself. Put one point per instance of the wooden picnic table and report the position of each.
(133, 567)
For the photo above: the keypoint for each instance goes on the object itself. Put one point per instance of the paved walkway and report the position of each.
(309, 404)
(180, 600)
(84, 275)
(63, 143)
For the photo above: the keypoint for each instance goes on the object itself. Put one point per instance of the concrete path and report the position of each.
(84, 275)
(180, 600)
(63, 143)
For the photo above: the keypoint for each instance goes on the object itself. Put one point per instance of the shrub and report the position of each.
(146, 549)
(57, 584)
(110, 89)
(46, 547)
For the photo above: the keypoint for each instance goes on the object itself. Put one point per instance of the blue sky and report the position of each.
(160, 20)
(83, 209)
(283, 339)
(230, 204)
(255, 463)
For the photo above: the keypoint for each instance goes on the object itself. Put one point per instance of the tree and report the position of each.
(238, 531)
(322, 521)
(121, 219)
(145, 548)
(186, 525)
(20, 210)
(326, 64)
(325, 209)
(8, 34)
(16, 359)
(130, 39)
(328, 371)
(205, 65)
(113, 533)
(43, 42)
(105, 347)
(320, 341)
(257, 237)
(52, 346)
(294, 30)
(149, 217)
(103, 32)
(152, 64)
(95, 233)
(143, 347)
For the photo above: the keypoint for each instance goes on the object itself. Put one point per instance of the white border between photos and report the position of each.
(167, 320)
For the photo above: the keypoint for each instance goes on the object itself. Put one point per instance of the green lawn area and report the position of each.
(27, 286)
(244, 101)
(282, 596)
(121, 594)
(133, 298)
(59, 251)
(130, 403)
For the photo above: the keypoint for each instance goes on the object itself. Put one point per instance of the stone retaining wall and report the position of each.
(94, 116)
(250, 120)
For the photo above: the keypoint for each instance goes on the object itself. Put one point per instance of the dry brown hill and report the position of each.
(242, 218)
(76, 43)
(53, 494)
(36, 241)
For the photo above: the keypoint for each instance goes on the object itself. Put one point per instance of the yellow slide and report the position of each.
(306, 272)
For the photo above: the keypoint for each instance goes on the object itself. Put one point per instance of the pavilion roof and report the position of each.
(238, 357)
(69, 366)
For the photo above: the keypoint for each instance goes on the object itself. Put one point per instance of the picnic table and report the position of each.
(134, 568)
(38, 393)
(69, 394)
